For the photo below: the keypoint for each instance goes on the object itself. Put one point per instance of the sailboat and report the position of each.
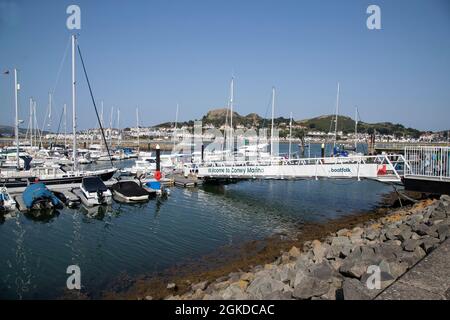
(52, 174)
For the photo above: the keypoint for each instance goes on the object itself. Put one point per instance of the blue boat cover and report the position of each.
(155, 185)
(39, 191)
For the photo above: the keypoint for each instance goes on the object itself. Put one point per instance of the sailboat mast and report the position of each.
(175, 128)
(74, 115)
(36, 128)
(356, 127)
(65, 126)
(16, 100)
(337, 113)
(110, 126)
(118, 127)
(290, 136)
(273, 115)
(31, 122)
(137, 124)
(49, 111)
(231, 115)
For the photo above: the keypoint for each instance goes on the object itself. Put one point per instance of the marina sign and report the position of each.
(346, 170)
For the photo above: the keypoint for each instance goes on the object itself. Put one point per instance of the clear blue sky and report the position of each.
(155, 54)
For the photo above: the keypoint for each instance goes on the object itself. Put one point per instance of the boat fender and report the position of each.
(158, 175)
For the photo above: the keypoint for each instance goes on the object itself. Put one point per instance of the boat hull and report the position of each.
(24, 182)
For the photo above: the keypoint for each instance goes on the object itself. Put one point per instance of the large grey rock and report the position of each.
(422, 229)
(355, 268)
(372, 234)
(392, 233)
(320, 250)
(302, 263)
(388, 251)
(411, 245)
(393, 269)
(263, 286)
(298, 277)
(405, 234)
(234, 292)
(411, 258)
(279, 295)
(341, 246)
(199, 286)
(282, 273)
(443, 231)
(428, 244)
(310, 287)
(322, 271)
(353, 289)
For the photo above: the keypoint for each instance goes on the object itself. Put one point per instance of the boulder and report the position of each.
(320, 250)
(282, 273)
(392, 233)
(353, 289)
(355, 268)
(199, 286)
(393, 269)
(372, 234)
(234, 292)
(298, 277)
(310, 287)
(322, 271)
(429, 244)
(422, 230)
(294, 252)
(198, 295)
(171, 286)
(263, 286)
(411, 245)
(341, 246)
(248, 276)
(303, 262)
(443, 231)
(343, 233)
(279, 295)
(388, 251)
(405, 234)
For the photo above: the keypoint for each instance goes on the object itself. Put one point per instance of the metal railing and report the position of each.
(428, 162)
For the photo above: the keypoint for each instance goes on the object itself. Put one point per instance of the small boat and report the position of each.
(129, 192)
(6, 202)
(38, 196)
(93, 192)
(155, 187)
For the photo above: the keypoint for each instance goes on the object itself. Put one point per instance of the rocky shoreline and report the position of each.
(337, 266)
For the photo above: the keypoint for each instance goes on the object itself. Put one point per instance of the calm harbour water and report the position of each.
(140, 239)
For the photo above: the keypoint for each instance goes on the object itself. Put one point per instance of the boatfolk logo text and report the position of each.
(215, 141)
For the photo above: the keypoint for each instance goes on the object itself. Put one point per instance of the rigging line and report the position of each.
(55, 139)
(60, 66)
(93, 101)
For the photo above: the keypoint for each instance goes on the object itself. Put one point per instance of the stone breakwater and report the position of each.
(337, 267)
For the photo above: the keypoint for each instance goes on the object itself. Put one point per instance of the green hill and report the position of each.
(347, 125)
(218, 117)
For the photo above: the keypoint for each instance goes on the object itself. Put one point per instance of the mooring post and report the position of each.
(203, 151)
(322, 150)
(158, 163)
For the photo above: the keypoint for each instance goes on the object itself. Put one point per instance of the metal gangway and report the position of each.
(384, 168)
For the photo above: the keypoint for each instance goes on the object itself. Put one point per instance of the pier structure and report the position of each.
(420, 168)
(387, 168)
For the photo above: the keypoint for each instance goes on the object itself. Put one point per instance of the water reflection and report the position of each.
(42, 215)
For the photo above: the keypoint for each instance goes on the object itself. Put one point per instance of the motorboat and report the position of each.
(156, 187)
(37, 196)
(7, 203)
(50, 175)
(129, 191)
(93, 192)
